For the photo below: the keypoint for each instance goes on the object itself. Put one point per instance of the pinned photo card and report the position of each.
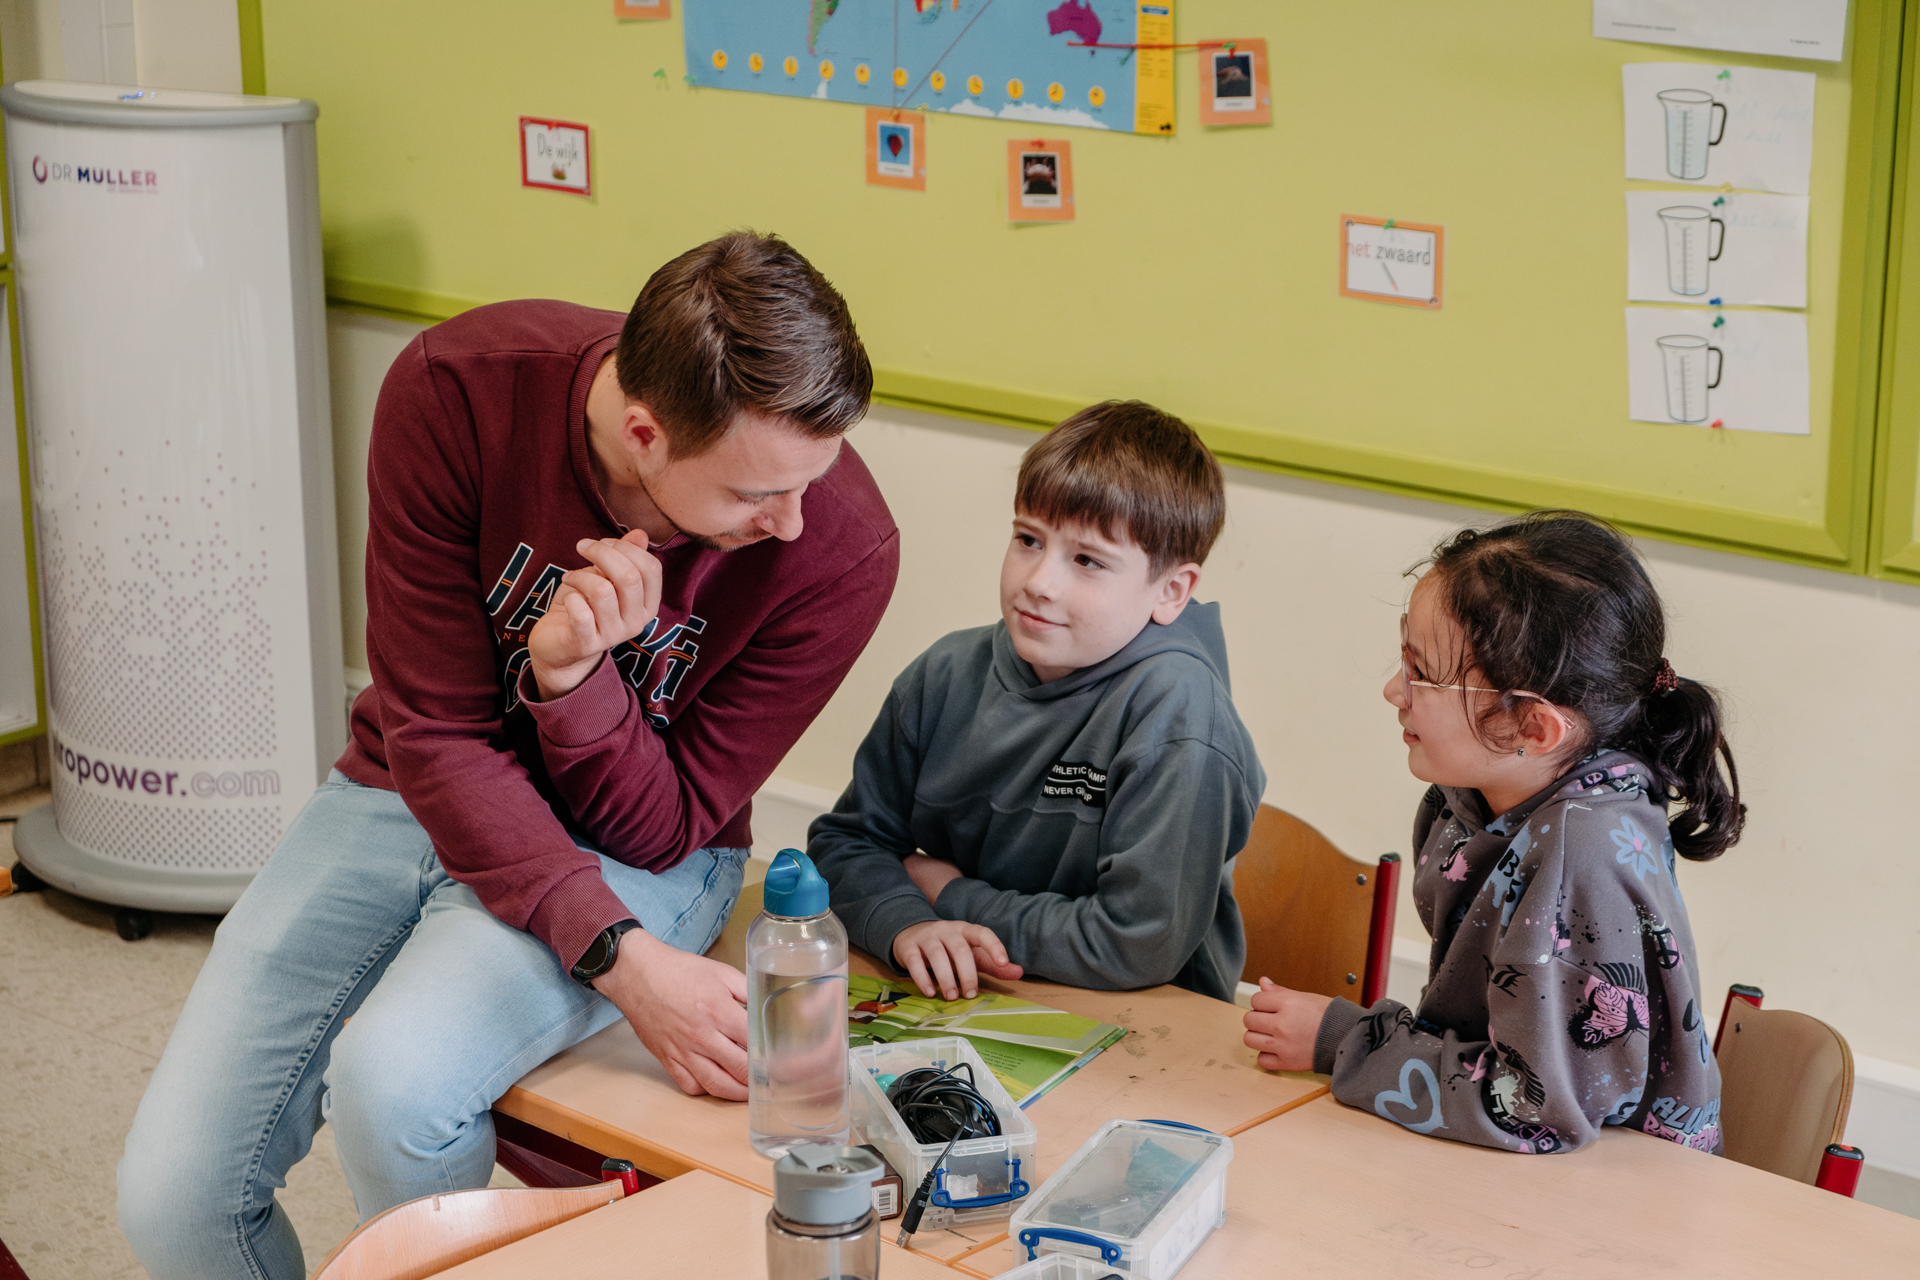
(1784, 28)
(1233, 82)
(643, 9)
(553, 154)
(1738, 370)
(1721, 248)
(1719, 126)
(1039, 180)
(896, 149)
(1386, 260)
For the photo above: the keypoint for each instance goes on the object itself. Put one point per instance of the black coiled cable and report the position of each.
(938, 1106)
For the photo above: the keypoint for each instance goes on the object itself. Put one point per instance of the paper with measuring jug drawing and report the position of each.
(1747, 372)
(1719, 126)
(1734, 248)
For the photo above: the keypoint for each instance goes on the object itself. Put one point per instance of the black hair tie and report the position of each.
(1664, 680)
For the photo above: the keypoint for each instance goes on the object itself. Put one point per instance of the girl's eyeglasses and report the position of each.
(1410, 678)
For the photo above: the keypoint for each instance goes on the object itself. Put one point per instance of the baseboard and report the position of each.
(782, 811)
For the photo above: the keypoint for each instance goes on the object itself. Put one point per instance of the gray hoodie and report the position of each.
(1094, 818)
(1565, 990)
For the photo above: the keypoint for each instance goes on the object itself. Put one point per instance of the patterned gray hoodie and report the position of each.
(1563, 993)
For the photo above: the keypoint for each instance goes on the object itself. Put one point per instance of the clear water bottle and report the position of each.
(796, 1014)
(822, 1225)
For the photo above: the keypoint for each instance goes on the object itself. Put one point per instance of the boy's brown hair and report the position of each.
(742, 324)
(1125, 466)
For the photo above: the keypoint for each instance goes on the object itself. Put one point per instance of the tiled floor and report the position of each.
(83, 1018)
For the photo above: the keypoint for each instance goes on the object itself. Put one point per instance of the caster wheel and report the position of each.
(132, 923)
(24, 881)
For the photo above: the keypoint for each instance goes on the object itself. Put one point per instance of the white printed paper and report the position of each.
(1747, 373)
(1394, 262)
(1696, 122)
(1785, 28)
(1719, 248)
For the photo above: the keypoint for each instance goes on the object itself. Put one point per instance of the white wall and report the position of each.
(1819, 905)
(162, 44)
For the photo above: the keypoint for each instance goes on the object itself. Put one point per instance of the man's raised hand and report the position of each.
(610, 601)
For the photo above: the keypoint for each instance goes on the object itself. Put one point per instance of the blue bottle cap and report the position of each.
(794, 888)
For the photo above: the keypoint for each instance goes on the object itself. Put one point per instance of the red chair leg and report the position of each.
(1840, 1170)
(623, 1172)
(1752, 995)
(1386, 900)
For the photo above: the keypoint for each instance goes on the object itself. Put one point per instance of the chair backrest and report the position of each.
(425, 1237)
(1307, 907)
(1786, 1083)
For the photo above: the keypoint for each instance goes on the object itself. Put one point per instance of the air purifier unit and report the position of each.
(167, 253)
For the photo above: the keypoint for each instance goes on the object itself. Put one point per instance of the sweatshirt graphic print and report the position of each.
(1563, 992)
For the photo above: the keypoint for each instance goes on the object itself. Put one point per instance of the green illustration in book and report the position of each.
(1028, 1047)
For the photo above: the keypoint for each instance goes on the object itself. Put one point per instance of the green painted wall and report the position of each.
(1201, 271)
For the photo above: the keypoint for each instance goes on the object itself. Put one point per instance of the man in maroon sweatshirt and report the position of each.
(613, 572)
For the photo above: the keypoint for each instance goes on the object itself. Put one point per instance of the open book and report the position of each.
(1029, 1047)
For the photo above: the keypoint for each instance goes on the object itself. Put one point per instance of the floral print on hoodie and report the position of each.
(1562, 994)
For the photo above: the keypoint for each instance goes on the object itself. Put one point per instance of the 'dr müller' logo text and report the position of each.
(143, 180)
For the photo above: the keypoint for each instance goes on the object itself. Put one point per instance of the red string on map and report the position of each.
(1198, 44)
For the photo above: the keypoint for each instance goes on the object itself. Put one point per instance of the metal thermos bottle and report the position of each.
(822, 1225)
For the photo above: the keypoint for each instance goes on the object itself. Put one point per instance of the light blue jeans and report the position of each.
(353, 917)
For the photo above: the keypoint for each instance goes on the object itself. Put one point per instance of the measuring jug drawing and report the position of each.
(1691, 245)
(1687, 360)
(1690, 130)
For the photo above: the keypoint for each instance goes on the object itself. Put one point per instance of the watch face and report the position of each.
(594, 962)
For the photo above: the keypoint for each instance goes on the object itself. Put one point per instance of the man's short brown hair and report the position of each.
(1124, 465)
(742, 324)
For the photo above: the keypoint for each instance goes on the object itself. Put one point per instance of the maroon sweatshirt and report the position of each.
(479, 487)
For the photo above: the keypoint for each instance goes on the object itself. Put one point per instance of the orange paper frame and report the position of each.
(1039, 205)
(1439, 261)
(916, 125)
(643, 9)
(1260, 108)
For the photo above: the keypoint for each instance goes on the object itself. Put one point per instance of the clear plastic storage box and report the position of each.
(1062, 1266)
(1139, 1195)
(994, 1174)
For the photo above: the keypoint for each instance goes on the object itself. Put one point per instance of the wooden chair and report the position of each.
(425, 1237)
(1316, 919)
(1786, 1084)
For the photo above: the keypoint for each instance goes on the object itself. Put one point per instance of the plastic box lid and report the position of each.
(1142, 1193)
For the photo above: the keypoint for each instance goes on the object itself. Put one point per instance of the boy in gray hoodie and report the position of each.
(1063, 793)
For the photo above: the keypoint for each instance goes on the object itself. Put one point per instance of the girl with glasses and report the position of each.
(1569, 765)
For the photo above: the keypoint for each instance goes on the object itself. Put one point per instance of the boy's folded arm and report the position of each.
(860, 846)
(1171, 823)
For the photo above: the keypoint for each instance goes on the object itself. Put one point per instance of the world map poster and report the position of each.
(1049, 62)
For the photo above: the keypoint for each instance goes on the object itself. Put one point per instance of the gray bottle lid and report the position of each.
(823, 1186)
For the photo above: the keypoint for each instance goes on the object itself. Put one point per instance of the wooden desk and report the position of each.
(693, 1226)
(1182, 1060)
(1328, 1190)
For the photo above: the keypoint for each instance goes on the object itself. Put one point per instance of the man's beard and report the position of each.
(726, 540)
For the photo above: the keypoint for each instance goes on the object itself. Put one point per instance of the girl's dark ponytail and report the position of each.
(1678, 736)
(1558, 603)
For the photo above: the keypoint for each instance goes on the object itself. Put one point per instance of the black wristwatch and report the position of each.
(598, 957)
